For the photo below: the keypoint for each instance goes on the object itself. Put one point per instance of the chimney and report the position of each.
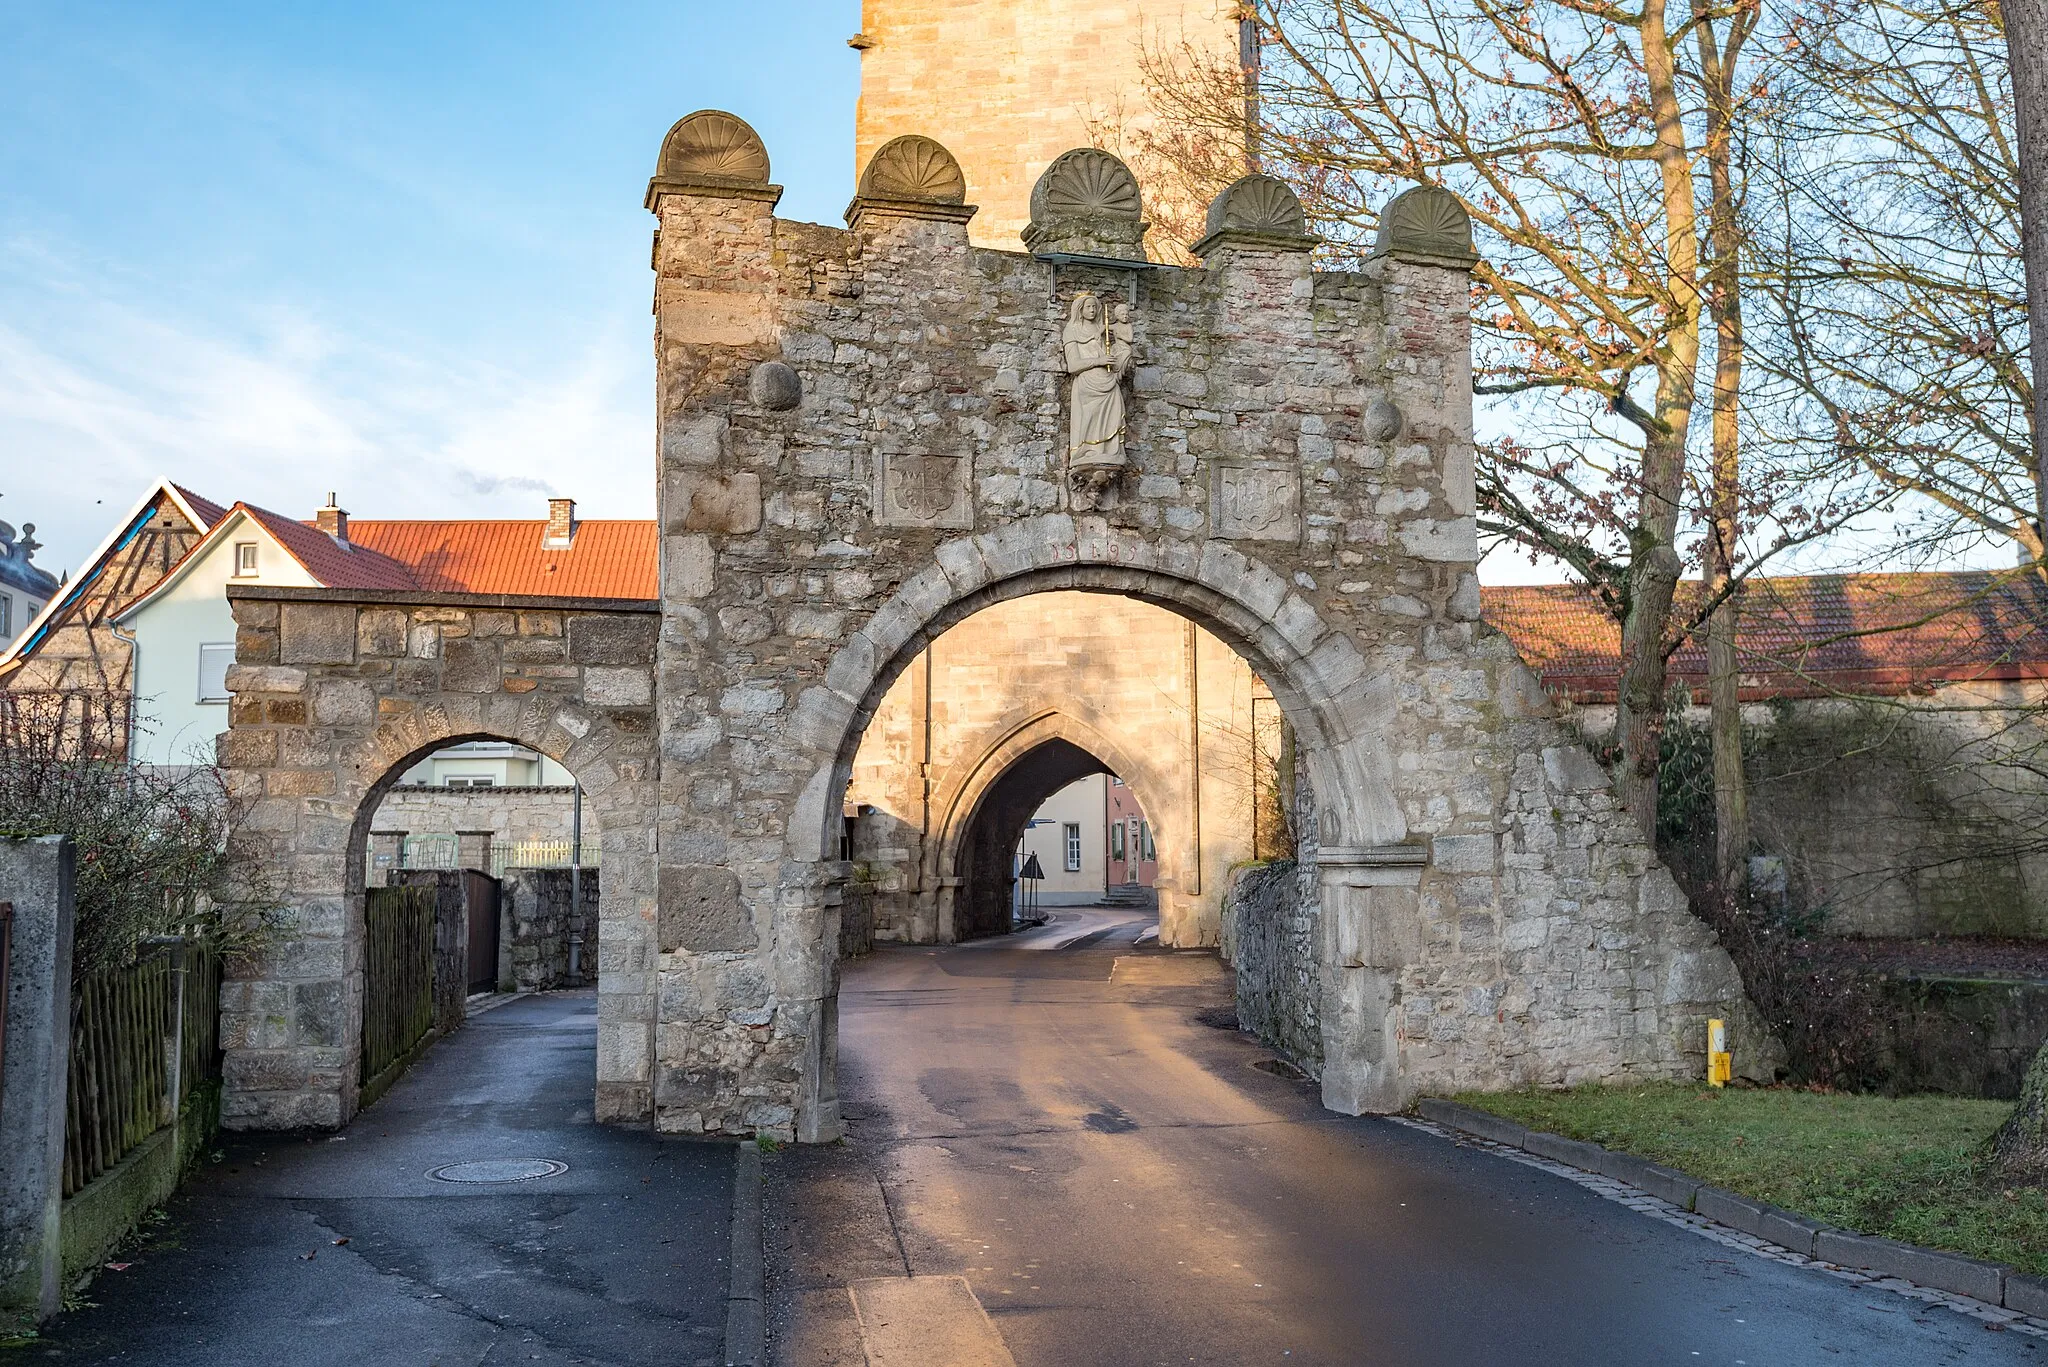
(333, 520)
(561, 524)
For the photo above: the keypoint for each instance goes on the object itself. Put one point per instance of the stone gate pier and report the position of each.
(867, 435)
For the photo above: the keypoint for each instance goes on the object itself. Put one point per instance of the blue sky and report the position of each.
(395, 250)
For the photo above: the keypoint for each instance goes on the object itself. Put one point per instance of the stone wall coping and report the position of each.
(428, 598)
(1374, 856)
(1992, 1283)
(501, 790)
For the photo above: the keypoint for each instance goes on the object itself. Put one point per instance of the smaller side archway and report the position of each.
(334, 699)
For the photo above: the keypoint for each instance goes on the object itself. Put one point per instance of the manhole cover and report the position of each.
(500, 1170)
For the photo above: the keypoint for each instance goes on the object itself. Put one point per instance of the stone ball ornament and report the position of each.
(775, 386)
(1382, 420)
(914, 168)
(712, 145)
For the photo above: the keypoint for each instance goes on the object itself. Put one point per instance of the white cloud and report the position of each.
(107, 383)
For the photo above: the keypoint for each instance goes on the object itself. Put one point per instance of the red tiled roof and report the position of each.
(205, 507)
(607, 558)
(336, 568)
(1804, 636)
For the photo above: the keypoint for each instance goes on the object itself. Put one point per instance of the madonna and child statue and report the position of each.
(1098, 356)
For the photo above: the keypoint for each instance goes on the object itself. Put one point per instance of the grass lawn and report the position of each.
(1908, 1168)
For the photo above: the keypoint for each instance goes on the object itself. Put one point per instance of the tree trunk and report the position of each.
(1724, 301)
(1653, 548)
(2020, 1148)
(2026, 39)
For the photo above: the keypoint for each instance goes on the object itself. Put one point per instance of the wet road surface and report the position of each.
(620, 1259)
(1049, 1117)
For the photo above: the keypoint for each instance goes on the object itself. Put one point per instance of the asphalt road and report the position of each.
(621, 1259)
(1119, 1184)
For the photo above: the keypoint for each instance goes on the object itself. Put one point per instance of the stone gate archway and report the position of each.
(335, 698)
(867, 435)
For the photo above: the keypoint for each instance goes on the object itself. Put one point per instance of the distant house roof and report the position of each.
(606, 558)
(202, 513)
(1803, 636)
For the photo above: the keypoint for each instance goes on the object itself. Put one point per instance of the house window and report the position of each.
(214, 659)
(473, 781)
(1116, 840)
(1145, 850)
(6, 617)
(1073, 833)
(245, 560)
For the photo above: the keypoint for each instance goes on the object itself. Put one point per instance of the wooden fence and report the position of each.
(143, 1039)
(398, 982)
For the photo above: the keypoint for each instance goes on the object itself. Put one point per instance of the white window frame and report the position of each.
(245, 560)
(6, 616)
(470, 781)
(1071, 831)
(222, 654)
(1116, 840)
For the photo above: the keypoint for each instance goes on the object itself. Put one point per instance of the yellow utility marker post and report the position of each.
(1720, 1067)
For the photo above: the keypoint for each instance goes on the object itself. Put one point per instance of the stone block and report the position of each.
(1922, 1266)
(343, 702)
(1455, 539)
(381, 632)
(1576, 1152)
(1473, 1121)
(618, 686)
(249, 678)
(700, 910)
(1463, 853)
(316, 634)
(239, 748)
(2027, 1295)
(1667, 1184)
(1570, 769)
(36, 876)
(699, 501)
(613, 638)
(689, 566)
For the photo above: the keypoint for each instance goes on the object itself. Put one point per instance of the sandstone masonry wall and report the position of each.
(1008, 87)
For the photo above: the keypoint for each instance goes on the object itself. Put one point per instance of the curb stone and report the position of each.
(1991, 1283)
(746, 1324)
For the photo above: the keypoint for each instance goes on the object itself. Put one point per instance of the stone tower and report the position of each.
(1007, 85)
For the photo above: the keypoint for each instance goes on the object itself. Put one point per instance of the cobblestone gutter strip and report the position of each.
(1985, 1291)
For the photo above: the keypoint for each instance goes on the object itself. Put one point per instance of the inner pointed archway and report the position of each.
(983, 855)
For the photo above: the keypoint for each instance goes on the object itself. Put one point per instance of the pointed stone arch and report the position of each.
(961, 790)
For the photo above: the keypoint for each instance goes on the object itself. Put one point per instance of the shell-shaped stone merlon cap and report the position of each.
(1427, 225)
(1256, 211)
(713, 151)
(1087, 204)
(913, 168)
(1086, 183)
